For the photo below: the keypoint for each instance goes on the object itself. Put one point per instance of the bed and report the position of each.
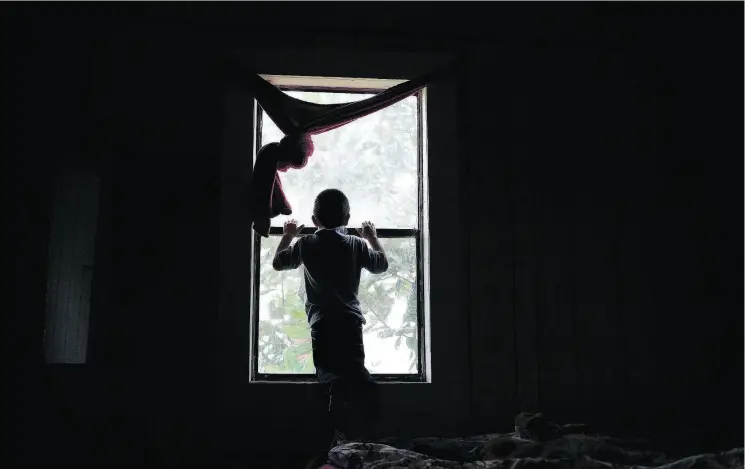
(536, 443)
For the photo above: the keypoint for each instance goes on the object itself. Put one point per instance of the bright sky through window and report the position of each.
(375, 161)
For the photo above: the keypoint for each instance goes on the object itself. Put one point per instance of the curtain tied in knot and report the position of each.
(299, 120)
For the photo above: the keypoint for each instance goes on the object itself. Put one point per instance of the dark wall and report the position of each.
(617, 224)
(603, 172)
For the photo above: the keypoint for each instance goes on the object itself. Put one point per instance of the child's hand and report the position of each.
(291, 229)
(367, 231)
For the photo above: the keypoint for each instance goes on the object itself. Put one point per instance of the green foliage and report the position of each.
(284, 336)
(374, 161)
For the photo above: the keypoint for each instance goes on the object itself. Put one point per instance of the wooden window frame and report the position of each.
(346, 85)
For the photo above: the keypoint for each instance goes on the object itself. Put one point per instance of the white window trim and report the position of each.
(348, 83)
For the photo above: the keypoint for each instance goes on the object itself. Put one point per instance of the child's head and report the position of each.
(331, 209)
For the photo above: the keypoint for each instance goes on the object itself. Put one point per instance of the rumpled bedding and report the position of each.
(536, 443)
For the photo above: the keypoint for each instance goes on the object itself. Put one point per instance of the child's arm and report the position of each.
(288, 257)
(376, 261)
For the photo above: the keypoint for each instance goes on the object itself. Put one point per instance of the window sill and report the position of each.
(309, 382)
(310, 379)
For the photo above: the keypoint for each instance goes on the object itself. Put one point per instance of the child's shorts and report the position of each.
(338, 351)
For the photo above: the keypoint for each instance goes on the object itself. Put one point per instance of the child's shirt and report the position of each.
(333, 263)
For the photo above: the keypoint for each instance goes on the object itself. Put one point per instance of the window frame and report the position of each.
(417, 233)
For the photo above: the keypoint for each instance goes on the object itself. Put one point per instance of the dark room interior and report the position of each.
(585, 178)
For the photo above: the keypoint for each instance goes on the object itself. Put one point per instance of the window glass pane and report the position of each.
(373, 160)
(389, 304)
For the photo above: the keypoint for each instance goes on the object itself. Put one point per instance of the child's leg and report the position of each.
(339, 356)
(363, 415)
(327, 362)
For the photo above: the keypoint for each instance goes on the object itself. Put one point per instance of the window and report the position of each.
(378, 161)
(72, 238)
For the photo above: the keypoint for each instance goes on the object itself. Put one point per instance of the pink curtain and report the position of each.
(299, 120)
